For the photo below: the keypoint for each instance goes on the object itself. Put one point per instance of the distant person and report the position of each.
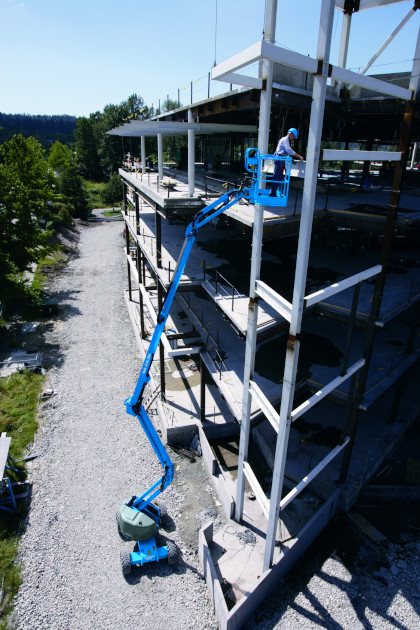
(283, 148)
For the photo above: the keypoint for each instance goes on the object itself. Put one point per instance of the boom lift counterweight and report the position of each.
(140, 516)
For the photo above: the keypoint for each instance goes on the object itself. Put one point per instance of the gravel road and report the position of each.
(94, 456)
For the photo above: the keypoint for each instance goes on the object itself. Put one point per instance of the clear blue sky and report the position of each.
(74, 56)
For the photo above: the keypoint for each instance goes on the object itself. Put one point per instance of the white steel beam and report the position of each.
(307, 480)
(347, 76)
(274, 299)
(288, 57)
(276, 54)
(265, 405)
(256, 488)
(376, 85)
(264, 50)
(321, 393)
(179, 352)
(371, 156)
(240, 60)
(323, 294)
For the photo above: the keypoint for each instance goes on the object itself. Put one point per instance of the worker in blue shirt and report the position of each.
(283, 148)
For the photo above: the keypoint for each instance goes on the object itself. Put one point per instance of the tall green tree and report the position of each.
(113, 191)
(60, 156)
(26, 188)
(72, 187)
(87, 148)
(99, 154)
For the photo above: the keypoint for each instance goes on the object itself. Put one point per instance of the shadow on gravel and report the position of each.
(365, 577)
(168, 524)
(156, 570)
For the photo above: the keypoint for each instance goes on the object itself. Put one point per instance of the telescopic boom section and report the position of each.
(134, 403)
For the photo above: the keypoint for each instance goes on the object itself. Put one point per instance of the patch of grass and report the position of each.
(10, 573)
(38, 282)
(112, 213)
(18, 409)
(95, 190)
(54, 258)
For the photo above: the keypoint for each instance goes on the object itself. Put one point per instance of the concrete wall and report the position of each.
(240, 613)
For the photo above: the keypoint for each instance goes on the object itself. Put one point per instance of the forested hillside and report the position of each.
(46, 129)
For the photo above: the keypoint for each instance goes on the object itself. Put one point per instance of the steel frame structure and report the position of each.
(267, 53)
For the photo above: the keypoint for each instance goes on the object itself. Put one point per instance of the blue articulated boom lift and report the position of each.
(139, 517)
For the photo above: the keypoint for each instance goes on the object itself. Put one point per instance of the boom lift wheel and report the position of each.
(125, 561)
(173, 552)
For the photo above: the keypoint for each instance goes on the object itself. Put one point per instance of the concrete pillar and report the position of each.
(136, 197)
(160, 156)
(158, 226)
(202, 390)
(125, 203)
(161, 348)
(191, 157)
(143, 154)
(127, 250)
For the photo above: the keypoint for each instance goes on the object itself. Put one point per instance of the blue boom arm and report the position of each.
(134, 403)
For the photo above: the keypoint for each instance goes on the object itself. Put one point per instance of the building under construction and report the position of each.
(293, 347)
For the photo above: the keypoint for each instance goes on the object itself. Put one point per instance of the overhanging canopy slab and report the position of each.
(169, 128)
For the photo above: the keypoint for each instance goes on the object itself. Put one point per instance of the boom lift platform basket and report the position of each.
(259, 164)
(139, 517)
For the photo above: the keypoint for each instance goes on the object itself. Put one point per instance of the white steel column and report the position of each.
(251, 337)
(292, 352)
(344, 46)
(413, 155)
(414, 85)
(160, 156)
(267, 76)
(415, 72)
(143, 154)
(191, 157)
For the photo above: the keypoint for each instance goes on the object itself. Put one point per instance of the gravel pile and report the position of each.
(93, 457)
